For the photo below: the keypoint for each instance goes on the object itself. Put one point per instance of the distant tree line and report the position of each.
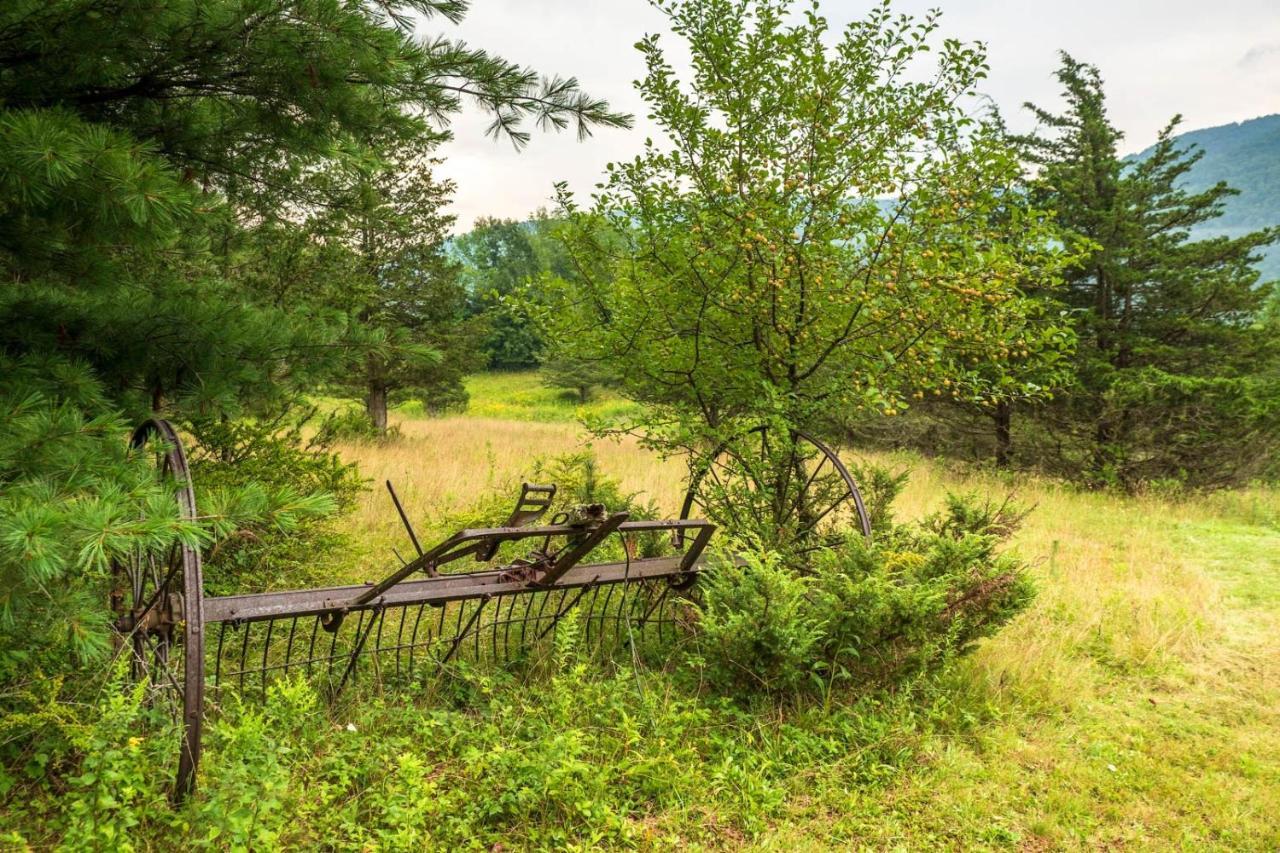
(507, 268)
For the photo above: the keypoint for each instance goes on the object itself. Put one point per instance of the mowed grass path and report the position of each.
(1136, 705)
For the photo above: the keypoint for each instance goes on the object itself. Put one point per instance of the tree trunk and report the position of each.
(1003, 417)
(375, 403)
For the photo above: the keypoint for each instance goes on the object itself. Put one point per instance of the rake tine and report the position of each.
(311, 649)
(217, 660)
(266, 647)
(620, 615)
(505, 646)
(564, 594)
(656, 597)
(543, 605)
(627, 614)
(360, 626)
(625, 609)
(413, 638)
(652, 590)
(639, 602)
(457, 627)
(288, 649)
(497, 620)
(653, 600)
(604, 617)
(244, 653)
(565, 610)
(506, 627)
(524, 620)
(591, 609)
(333, 646)
(361, 639)
(400, 638)
(377, 648)
(649, 612)
(457, 641)
(513, 652)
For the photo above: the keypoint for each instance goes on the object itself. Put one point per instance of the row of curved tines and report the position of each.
(394, 644)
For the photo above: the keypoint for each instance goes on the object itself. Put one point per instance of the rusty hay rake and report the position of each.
(469, 596)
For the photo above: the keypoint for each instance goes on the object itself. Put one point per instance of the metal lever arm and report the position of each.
(573, 554)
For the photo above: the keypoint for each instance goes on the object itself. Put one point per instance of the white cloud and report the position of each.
(1261, 56)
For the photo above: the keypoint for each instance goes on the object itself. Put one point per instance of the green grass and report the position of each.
(1182, 755)
(1137, 704)
(523, 396)
(509, 395)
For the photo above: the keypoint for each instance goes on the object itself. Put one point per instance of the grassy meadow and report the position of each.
(1136, 704)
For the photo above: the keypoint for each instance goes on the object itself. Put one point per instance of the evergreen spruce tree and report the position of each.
(1171, 367)
(386, 213)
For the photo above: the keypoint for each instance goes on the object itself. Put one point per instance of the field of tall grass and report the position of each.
(1136, 704)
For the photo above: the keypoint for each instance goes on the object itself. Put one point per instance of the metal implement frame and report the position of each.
(426, 611)
(397, 591)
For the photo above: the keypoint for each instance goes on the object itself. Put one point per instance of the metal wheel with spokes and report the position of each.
(156, 604)
(791, 489)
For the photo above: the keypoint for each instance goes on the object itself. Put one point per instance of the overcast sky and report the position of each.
(1214, 62)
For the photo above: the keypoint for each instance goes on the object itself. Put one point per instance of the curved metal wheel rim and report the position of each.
(174, 467)
(864, 519)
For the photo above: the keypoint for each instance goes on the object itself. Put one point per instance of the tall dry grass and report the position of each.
(439, 466)
(1118, 589)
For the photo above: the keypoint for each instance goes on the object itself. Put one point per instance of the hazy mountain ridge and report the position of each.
(1246, 155)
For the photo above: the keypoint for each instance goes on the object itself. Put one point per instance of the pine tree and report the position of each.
(149, 151)
(1168, 380)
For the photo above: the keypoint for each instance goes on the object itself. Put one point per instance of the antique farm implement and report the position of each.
(490, 595)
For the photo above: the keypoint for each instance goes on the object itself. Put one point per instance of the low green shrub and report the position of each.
(349, 424)
(868, 613)
(758, 627)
